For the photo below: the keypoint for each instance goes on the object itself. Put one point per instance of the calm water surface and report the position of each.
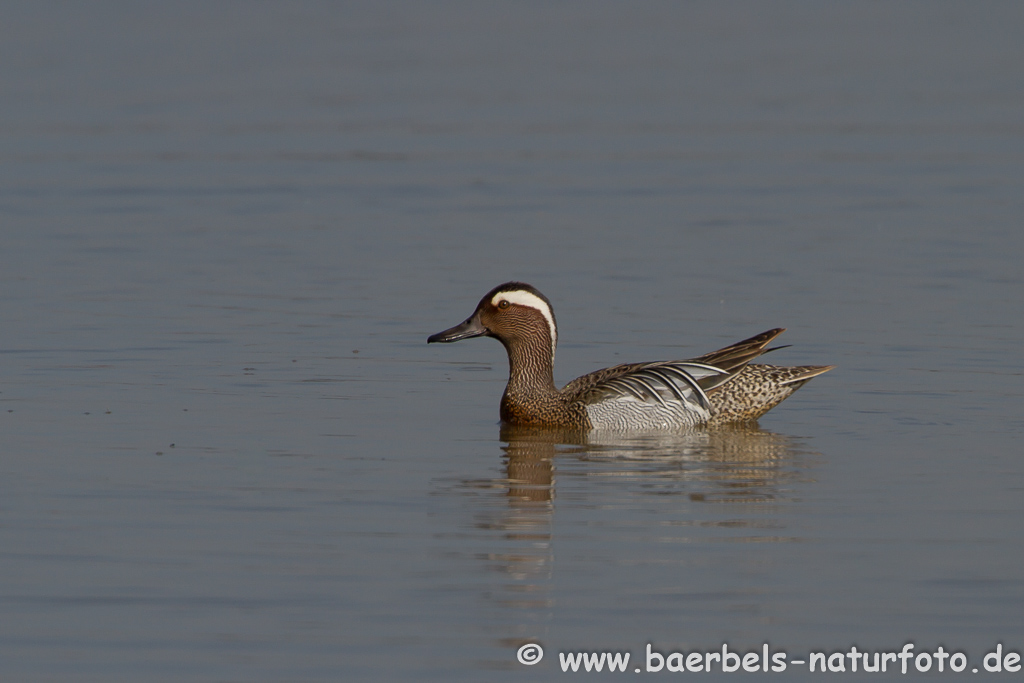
(229, 455)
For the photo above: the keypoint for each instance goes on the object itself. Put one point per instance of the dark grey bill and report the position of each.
(471, 328)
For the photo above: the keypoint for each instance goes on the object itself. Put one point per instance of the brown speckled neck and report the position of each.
(531, 397)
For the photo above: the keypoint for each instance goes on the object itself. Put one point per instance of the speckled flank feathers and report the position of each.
(716, 388)
(756, 389)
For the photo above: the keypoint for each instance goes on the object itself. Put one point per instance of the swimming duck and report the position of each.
(717, 388)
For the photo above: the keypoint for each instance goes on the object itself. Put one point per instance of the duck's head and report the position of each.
(514, 313)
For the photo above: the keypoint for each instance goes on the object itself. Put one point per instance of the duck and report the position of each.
(718, 388)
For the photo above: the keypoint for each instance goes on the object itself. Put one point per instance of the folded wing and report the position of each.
(654, 395)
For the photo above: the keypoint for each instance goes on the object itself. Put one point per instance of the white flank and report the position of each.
(530, 300)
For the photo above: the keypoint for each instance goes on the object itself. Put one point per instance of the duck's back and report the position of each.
(716, 388)
(657, 395)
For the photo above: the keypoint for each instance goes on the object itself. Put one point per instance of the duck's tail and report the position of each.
(756, 389)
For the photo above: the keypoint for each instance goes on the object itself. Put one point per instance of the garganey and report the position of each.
(717, 388)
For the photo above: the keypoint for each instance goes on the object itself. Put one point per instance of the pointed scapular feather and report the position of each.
(660, 382)
(668, 382)
(622, 386)
(652, 389)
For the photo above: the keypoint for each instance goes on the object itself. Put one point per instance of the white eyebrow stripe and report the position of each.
(524, 298)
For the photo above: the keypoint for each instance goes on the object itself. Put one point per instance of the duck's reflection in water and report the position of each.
(739, 464)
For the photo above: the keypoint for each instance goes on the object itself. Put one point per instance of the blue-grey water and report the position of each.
(228, 228)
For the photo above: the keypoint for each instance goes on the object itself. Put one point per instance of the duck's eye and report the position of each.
(503, 304)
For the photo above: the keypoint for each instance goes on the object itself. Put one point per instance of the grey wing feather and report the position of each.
(659, 382)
